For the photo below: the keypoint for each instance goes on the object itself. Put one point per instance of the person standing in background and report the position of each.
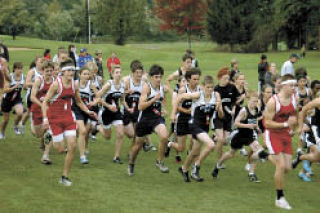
(112, 61)
(98, 61)
(263, 68)
(287, 67)
(46, 54)
(73, 54)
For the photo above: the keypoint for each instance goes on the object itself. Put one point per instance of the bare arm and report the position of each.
(29, 82)
(7, 88)
(53, 90)
(302, 115)
(219, 105)
(143, 103)
(181, 97)
(78, 99)
(34, 92)
(171, 77)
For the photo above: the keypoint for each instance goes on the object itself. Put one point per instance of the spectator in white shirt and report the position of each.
(287, 67)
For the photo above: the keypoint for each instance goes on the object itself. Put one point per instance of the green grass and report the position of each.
(28, 186)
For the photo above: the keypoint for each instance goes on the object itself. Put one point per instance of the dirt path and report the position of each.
(20, 49)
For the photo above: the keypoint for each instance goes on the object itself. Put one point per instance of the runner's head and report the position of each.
(84, 73)
(47, 68)
(136, 69)
(17, 68)
(116, 72)
(223, 76)
(208, 84)
(253, 98)
(193, 76)
(288, 84)
(186, 60)
(156, 72)
(67, 69)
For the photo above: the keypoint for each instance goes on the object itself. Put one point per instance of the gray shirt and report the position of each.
(287, 68)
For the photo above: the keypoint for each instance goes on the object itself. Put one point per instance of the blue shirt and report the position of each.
(82, 60)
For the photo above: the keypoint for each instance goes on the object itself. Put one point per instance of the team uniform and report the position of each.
(150, 117)
(182, 121)
(86, 97)
(13, 98)
(132, 100)
(229, 95)
(244, 136)
(60, 116)
(28, 93)
(36, 111)
(304, 96)
(239, 106)
(201, 114)
(279, 140)
(112, 96)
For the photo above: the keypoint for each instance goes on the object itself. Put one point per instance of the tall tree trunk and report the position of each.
(275, 42)
(189, 37)
(319, 36)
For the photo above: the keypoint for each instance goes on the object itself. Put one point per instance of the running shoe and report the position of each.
(253, 178)
(306, 166)
(283, 204)
(131, 169)
(243, 152)
(45, 160)
(65, 181)
(195, 175)
(16, 130)
(185, 175)
(117, 160)
(215, 172)
(2, 136)
(178, 159)
(84, 160)
(296, 161)
(162, 167)
(304, 177)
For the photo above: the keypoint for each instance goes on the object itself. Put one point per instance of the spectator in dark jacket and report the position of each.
(263, 67)
(98, 60)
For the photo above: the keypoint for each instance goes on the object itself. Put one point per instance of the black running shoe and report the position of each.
(185, 175)
(253, 178)
(195, 176)
(215, 172)
(117, 160)
(178, 159)
(131, 169)
(296, 161)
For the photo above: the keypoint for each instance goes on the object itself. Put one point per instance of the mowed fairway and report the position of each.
(102, 186)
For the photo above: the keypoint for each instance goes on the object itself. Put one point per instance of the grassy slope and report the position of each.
(101, 186)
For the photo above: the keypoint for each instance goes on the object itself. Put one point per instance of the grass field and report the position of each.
(28, 186)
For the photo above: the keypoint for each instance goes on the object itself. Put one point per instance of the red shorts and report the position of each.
(278, 142)
(62, 127)
(36, 118)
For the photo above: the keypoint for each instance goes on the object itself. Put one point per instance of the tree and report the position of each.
(121, 19)
(60, 25)
(13, 16)
(232, 21)
(183, 16)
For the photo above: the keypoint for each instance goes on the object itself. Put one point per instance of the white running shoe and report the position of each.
(283, 203)
(170, 144)
(247, 167)
(2, 136)
(16, 130)
(243, 152)
(22, 128)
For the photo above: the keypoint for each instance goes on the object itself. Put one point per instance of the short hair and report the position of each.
(186, 56)
(223, 71)
(83, 68)
(47, 64)
(274, 78)
(266, 86)
(192, 71)
(90, 65)
(181, 77)
(233, 62)
(17, 65)
(208, 79)
(301, 71)
(237, 75)
(189, 51)
(156, 70)
(115, 67)
(314, 83)
(263, 56)
(287, 77)
(252, 93)
(136, 65)
(298, 77)
(67, 62)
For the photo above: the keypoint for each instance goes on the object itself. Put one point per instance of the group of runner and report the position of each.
(65, 111)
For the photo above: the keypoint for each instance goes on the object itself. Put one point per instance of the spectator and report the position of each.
(56, 56)
(46, 54)
(287, 67)
(73, 54)
(98, 60)
(270, 73)
(84, 57)
(112, 61)
(4, 53)
(263, 67)
(303, 51)
(234, 69)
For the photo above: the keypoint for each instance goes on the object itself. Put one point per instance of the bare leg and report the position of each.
(162, 133)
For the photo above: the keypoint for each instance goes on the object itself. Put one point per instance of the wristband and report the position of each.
(285, 125)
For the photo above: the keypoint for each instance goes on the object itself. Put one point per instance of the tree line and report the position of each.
(243, 25)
